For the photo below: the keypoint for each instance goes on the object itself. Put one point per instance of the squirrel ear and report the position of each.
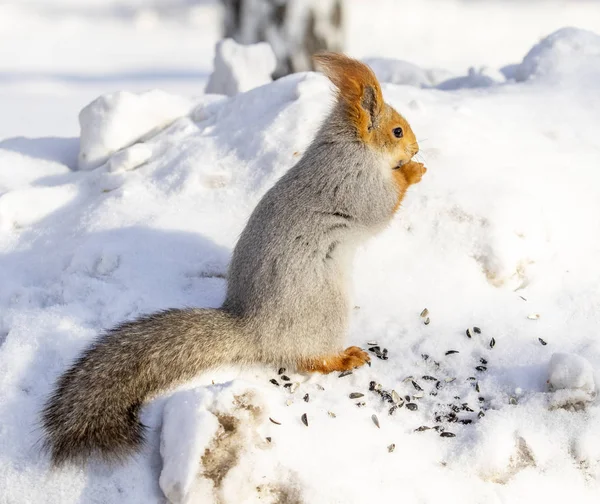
(357, 87)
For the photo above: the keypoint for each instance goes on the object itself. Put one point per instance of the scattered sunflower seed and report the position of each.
(533, 316)
(274, 421)
(481, 399)
(447, 434)
(408, 378)
(471, 378)
(523, 298)
(274, 382)
(477, 387)
(418, 395)
(375, 349)
(305, 419)
(449, 380)
(360, 404)
(285, 378)
(407, 397)
(465, 421)
(412, 406)
(345, 373)
(281, 370)
(320, 387)
(492, 343)
(372, 343)
(416, 385)
(422, 428)
(424, 356)
(425, 312)
(439, 428)
(426, 321)
(476, 330)
(466, 408)
(306, 398)
(294, 387)
(375, 420)
(469, 335)
(450, 352)
(481, 414)
(542, 341)
(457, 397)
(455, 408)
(289, 402)
(392, 409)
(331, 414)
(483, 361)
(429, 378)
(268, 439)
(372, 386)
(438, 385)
(481, 368)
(512, 400)
(287, 385)
(391, 448)
(396, 397)
(356, 395)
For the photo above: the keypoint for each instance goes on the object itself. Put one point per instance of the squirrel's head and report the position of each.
(376, 123)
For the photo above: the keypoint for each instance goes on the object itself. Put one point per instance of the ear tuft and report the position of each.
(357, 87)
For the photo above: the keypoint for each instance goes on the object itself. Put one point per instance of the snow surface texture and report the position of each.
(508, 203)
(239, 68)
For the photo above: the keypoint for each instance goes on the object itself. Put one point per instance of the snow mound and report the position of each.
(117, 120)
(400, 72)
(239, 68)
(566, 52)
(572, 378)
(475, 78)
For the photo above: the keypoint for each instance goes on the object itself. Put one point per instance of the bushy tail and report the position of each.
(94, 409)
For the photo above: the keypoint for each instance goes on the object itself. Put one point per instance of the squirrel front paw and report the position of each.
(413, 172)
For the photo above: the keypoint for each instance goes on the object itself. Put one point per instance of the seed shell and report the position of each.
(447, 434)
(356, 395)
(274, 382)
(412, 406)
(305, 419)
(492, 343)
(542, 341)
(375, 420)
(274, 421)
(306, 398)
(391, 448)
(345, 373)
(450, 352)
(425, 312)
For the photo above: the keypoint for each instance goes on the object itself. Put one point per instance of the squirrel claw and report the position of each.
(413, 172)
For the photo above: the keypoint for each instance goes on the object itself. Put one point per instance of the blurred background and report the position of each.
(74, 50)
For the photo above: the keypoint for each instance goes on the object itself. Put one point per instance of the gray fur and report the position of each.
(287, 299)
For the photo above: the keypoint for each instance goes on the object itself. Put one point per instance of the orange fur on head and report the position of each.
(357, 87)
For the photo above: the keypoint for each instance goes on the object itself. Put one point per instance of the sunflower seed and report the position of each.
(465, 421)
(450, 352)
(424, 313)
(466, 408)
(372, 386)
(426, 321)
(533, 316)
(424, 356)
(481, 399)
(481, 414)
(375, 420)
(429, 378)
(449, 380)
(418, 395)
(396, 397)
(294, 387)
(438, 385)
(391, 448)
(287, 385)
(447, 434)
(483, 361)
(268, 439)
(422, 428)
(392, 409)
(455, 408)
(331, 414)
(281, 370)
(360, 404)
(356, 395)
(439, 428)
(471, 378)
(476, 330)
(492, 343)
(412, 406)
(289, 402)
(416, 385)
(372, 343)
(469, 335)
(285, 378)
(345, 373)
(274, 421)
(481, 368)
(375, 349)
(306, 398)
(274, 382)
(477, 387)
(512, 400)
(542, 341)
(305, 419)
(407, 398)
(320, 387)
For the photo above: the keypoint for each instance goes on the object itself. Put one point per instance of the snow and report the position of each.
(239, 68)
(501, 234)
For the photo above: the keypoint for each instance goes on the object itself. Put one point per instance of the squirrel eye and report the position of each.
(398, 133)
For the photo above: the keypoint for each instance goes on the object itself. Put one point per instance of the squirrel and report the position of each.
(287, 301)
